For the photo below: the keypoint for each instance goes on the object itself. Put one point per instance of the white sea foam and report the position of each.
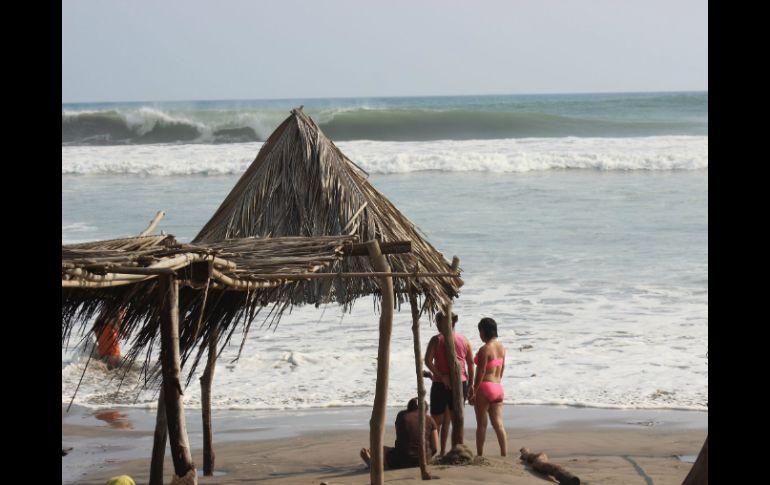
(599, 281)
(597, 351)
(509, 155)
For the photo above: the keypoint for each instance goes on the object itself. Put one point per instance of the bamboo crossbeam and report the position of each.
(140, 271)
(81, 283)
(391, 247)
(242, 284)
(267, 280)
(310, 276)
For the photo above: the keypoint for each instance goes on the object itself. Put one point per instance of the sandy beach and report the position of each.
(321, 445)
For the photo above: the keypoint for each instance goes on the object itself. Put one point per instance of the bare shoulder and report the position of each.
(483, 350)
(432, 341)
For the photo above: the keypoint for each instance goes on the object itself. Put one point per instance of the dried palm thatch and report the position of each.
(301, 184)
(118, 277)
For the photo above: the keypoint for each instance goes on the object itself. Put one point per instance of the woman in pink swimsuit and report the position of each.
(487, 395)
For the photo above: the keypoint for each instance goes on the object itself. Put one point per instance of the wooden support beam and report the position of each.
(321, 276)
(377, 422)
(420, 383)
(208, 435)
(455, 375)
(539, 462)
(139, 270)
(159, 442)
(391, 247)
(184, 468)
(699, 473)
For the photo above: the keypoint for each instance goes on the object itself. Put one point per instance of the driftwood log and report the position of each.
(539, 462)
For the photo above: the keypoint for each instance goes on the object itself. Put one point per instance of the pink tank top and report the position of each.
(460, 350)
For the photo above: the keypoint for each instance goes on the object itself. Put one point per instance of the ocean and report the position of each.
(580, 221)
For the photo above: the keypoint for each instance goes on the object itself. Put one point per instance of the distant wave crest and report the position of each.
(148, 125)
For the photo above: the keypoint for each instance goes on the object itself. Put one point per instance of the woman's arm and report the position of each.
(469, 363)
(481, 368)
(430, 357)
(502, 367)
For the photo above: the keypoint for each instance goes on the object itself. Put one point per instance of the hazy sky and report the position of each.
(237, 49)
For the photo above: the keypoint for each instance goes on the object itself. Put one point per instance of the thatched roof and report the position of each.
(120, 276)
(291, 214)
(301, 184)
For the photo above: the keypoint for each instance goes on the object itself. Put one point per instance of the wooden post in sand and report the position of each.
(159, 443)
(208, 435)
(539, 461)
(184, 468)
(699, 473)
(454, 369)
(420, 382)
(377, 422)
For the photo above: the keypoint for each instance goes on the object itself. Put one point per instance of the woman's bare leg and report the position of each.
(481, 423)
(442, 426)
(496, 417)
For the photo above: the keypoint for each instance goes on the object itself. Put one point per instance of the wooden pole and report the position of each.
(208, 436)
(154, 222)
(184, 468)
(458, 400)
(420, 382)
(377, 422)
(159, 444)
(699, 473)
(539, 462)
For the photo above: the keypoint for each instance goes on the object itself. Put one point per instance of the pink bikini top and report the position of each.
(491, 364)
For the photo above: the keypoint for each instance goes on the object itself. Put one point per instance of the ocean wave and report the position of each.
(149, 125)
(500, 156)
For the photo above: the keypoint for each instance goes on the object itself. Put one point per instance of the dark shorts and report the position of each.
(441, 397)
(395, 460)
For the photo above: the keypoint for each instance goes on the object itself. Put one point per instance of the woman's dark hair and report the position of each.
(440, 318)
(488, 327)
(412, 405)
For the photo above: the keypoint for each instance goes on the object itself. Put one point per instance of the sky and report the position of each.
(143, 50)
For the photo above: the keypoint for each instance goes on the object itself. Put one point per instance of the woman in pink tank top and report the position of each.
(441, 399)
(487, 395)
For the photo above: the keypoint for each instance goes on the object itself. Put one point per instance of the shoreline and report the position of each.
(106, 441)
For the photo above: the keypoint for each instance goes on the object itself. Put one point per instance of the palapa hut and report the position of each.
(301, 184)
(284, 236)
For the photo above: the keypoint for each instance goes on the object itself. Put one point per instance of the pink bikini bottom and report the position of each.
(492, 391)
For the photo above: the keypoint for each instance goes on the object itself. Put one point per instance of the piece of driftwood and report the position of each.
(539, 462)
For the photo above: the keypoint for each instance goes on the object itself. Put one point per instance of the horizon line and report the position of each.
(313, 98)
